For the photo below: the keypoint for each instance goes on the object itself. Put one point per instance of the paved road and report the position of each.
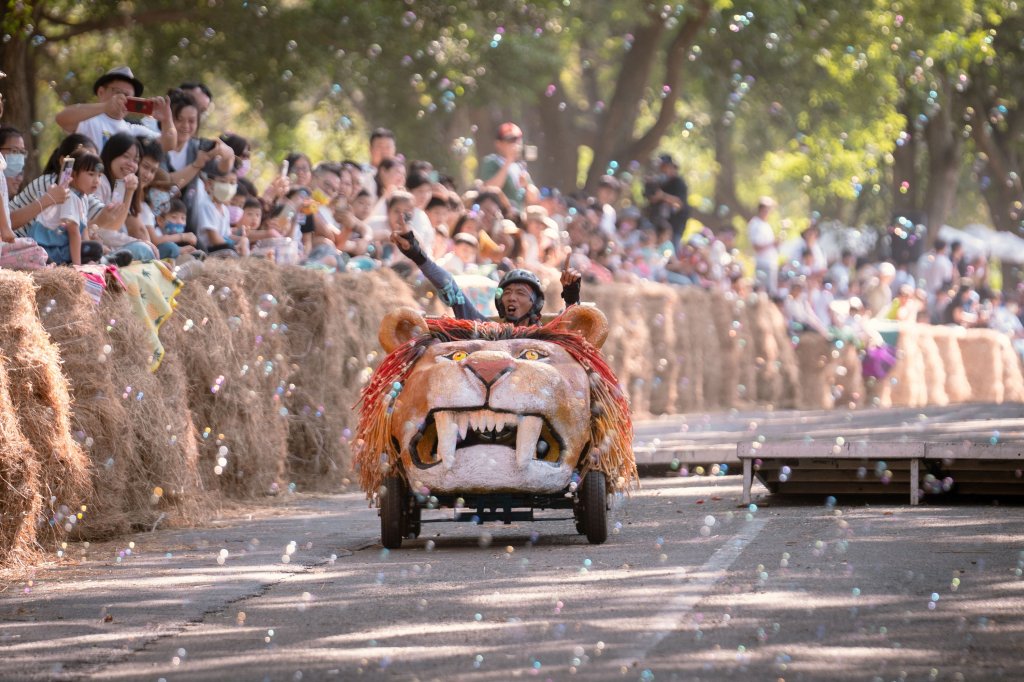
(690, 586)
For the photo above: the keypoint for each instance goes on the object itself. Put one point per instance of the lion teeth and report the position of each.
(527, 436)
(447, 433)
(463, 420)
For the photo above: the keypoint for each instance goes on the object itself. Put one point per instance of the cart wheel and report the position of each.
(592, 509)
(393, 512)
(412, 520)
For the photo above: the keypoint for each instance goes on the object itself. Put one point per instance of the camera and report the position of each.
(407, 217)
(206, 144)
(139, 105)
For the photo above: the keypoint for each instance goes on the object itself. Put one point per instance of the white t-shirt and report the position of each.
(762, 236)
(73, 210)
(101, 128)
(213, 218)
(3, 192)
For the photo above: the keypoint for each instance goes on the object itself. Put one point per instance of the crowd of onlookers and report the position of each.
(140, 178)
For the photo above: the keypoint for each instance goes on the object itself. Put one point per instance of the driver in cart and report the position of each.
(519, 297)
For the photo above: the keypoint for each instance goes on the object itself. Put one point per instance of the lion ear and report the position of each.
(587, 321)
(400, 325)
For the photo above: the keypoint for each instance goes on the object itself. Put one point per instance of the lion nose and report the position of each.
(490, 367)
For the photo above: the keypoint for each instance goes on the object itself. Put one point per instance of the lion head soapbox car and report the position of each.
(493, 421)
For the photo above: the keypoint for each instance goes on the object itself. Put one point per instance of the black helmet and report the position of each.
(523, 277)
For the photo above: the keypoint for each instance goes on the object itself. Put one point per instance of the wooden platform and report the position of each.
(871, 467)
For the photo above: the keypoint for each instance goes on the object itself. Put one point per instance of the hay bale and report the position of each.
(777, 369)
(230, 339)
(164, 485)
(908, 374)
(332, 325)
(816, 371)
(627, 348)
(658, 303)
(39, 395)
(983, 364)
(696, 349)
(21, 504)
(946, 338)
(99, 420)
(1013, 381)
(934, 371)
(848, 389)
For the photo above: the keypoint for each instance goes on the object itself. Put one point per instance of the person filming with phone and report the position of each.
(119, 93)
(504, 171)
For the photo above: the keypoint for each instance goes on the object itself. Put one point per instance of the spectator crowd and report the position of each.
(139, 178)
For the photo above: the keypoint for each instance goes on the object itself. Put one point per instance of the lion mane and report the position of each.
(611, 427)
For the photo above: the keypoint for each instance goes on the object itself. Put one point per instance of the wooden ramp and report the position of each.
(870, 467)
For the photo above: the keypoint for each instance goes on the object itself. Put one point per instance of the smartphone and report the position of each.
(530, 152)
(65, 171)
(139, 105)
(284, 168)
(117, 196)
(206, 144)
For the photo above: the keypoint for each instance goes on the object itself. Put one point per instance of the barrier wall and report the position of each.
(264, 365)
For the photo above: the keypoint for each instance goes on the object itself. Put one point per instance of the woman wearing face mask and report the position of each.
(12, 147)
(6, 230)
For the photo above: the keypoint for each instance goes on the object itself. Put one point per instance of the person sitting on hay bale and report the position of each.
(519, 297)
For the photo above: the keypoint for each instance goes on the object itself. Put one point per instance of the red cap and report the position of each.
(509, 129)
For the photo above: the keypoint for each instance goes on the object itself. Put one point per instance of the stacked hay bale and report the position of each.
(908, 374)
(99, 418)
(817, 369)
(627, 348)
(659, 305)
(983, 364)
(227, 334)
(21, 505)
(54, 474)
(848, 390)
(946, 338)
(935, 372)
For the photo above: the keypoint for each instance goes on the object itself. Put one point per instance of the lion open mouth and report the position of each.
(447, 432)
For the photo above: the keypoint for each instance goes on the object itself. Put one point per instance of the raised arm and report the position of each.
(442, 280)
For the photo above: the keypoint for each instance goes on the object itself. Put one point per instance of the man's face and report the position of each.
(329, 184)
(510, 146)
(382, 148)
(115, 87)
(438, 216)
(517, 299)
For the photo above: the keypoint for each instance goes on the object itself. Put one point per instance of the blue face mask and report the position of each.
(174, 228)
(15, 164)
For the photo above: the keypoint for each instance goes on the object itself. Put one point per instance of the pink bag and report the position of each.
(23, 254)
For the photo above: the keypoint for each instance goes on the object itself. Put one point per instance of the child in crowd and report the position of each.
(214, 220)
(59, 228)
(169, 227)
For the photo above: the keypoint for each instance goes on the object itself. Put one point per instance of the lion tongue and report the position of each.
(447, 436)
(526, 439)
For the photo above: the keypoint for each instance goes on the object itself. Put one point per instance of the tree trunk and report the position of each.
(904, 168)
(727, 203)
(557, 147)
(19, 88)
(1003, 191)
(945, 156)
(616, 141)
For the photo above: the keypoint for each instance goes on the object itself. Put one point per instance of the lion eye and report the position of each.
(458, 356)
(532, 354)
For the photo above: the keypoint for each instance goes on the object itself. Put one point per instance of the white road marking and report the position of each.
(691, 592)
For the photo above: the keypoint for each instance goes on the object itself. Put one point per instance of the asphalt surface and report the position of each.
(691, 585)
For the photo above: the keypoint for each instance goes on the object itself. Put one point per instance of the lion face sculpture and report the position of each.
(470, 407)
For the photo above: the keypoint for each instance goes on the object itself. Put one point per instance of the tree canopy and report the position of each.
(851, 109)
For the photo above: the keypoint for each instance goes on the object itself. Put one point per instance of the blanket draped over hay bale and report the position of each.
(264, 364)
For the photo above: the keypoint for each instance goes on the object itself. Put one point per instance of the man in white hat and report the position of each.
(100, 120)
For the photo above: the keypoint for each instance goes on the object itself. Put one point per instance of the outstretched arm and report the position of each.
(442, 280)
(570, 279)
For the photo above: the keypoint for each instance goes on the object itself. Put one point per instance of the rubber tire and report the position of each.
(393, 512)
(592, 520)
(412, 528)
